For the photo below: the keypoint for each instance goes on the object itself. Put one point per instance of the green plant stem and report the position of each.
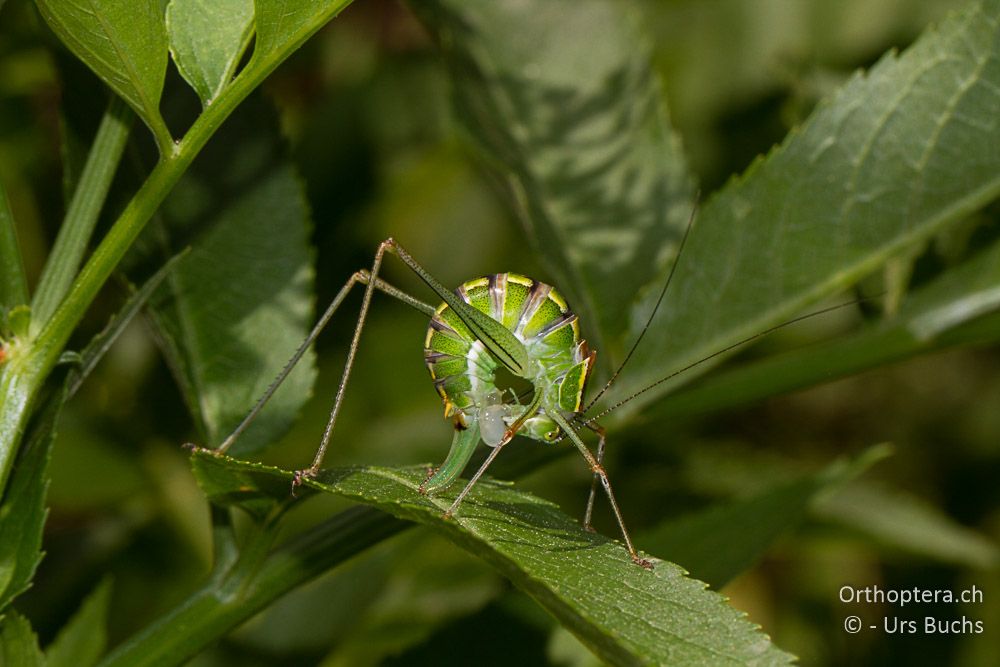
(223, 604)
(23, 375)
(84, 208)
(13, 284)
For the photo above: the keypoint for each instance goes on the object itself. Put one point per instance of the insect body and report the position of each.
(464, 372)
(503, 320)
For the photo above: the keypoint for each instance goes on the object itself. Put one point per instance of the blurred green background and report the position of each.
(365, 113)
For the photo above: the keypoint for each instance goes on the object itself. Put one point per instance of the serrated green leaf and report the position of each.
(83, 639)
(233, 310)
(124, 42)
(23, 512)
(207, 39)
(625, 614)
(562, 97)
(895, 155)
(723, 541)
(18, 643)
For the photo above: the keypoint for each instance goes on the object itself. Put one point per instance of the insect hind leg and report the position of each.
(601, 441)
(599, 471)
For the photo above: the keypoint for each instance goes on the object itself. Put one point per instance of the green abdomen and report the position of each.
(464, 372)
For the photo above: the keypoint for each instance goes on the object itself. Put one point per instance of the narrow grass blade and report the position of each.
(13, 284)
(81, 217)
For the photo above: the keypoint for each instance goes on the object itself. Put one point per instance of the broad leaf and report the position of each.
(83, 639)
(207, 38)
(625, 614)
(23, 512)
(124, 42)
(236, 307)
(725, 540)
(562, 97)
(894, 156)
(18, 643)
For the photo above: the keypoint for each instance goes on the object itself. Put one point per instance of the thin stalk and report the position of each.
(13, 283)
(84, 208)
(211, 612)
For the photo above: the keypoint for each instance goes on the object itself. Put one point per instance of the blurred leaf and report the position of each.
(124, 42)
(931, 317)
(562, 98)
(723, 541)
(13, 283)
(890, 516)
(235, 308)
(907, 522)
(625, 614)
(377, 606)
(207, 39)
(83, 639)
(18, 643)
(894, 156)
(23, 512)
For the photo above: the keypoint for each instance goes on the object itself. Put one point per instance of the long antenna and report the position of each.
(715, 354)
(659, 300)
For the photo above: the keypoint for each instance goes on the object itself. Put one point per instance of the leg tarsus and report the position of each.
(196, 448)
(301, 476)
(642, 562)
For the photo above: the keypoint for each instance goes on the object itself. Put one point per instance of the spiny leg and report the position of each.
(365, 277)
(588, 514)
(290, 364)
(605, 482)
(372, 281)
